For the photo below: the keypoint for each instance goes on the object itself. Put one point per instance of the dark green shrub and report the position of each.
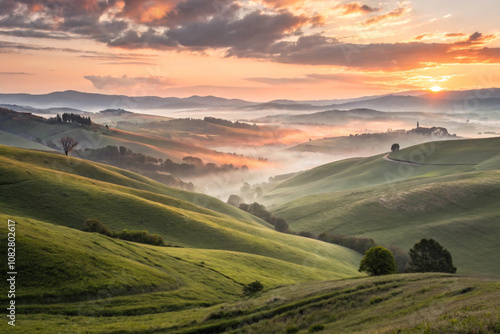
(142, 237)
(94, 225)
(360, 245)
(252, 288)
(292, 330)
(316, 328)
(260, 211)
(281, 225)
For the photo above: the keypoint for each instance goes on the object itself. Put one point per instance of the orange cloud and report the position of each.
(454, 34)
(398, 12)
(357, 8)
(146, 11)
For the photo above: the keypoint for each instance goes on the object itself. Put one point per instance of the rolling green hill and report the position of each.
(67, 272)
(66, 191)
(453, 198)
(455, 157)
(45, 134)
(10, 139)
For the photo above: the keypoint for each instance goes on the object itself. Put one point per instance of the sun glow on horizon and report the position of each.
(436, 89)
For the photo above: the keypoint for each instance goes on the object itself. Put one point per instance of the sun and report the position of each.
(436, 89)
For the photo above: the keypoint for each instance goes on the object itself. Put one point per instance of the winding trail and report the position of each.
(406, 162)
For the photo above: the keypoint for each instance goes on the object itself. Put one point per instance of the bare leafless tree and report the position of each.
(68, 144)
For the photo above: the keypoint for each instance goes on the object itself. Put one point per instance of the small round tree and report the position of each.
(395, 147)
(428, 255)
(378, 261)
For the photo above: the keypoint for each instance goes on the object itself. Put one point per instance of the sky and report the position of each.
(252, 50)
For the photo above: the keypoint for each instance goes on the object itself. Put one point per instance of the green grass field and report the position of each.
(70, 281)
(67, 191)
(70, 273)
(416, 303)
(401, 204)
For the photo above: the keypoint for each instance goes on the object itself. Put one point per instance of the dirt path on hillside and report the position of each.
(405, 162)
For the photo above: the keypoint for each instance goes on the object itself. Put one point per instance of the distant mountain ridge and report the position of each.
(96, 102)
(445, 101)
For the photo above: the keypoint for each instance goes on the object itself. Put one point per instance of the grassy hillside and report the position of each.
(74, 276)
(174, 293)
(10, 139)
(66, 191)
(456, 157)
(454, 200)
(44, 132)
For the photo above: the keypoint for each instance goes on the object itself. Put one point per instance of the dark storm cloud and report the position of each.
(253, 32)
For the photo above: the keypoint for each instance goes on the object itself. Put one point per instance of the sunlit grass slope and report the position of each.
(455, 204)
(66, 191)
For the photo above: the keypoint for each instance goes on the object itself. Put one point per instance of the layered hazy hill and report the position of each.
(337, 122)
(146, 134)
(367, 144)
(446, 190)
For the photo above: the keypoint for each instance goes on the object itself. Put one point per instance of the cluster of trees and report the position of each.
(121, 157)
(249, 192)
(94, 225)
(117, 111)
(427, 255)
(193, 166)
(137, 162)
(435, 131)
(74, 118)
(225, 122)
(125, 158)
(260, 211)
